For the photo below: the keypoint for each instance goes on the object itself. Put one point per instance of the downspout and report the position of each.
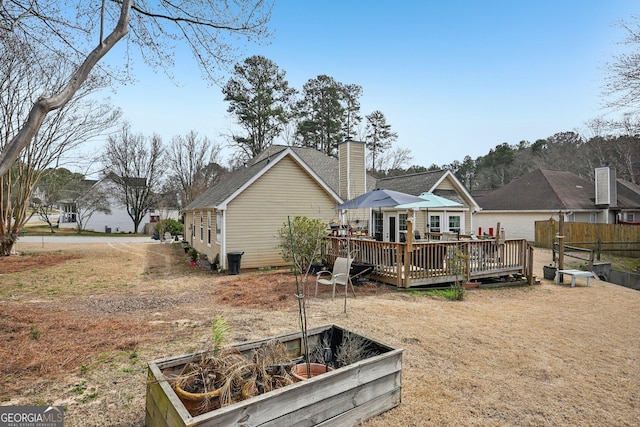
(223, 241)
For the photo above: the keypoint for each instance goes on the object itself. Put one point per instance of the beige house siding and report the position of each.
(468, 223)
(202, 245)
(467, 220)
(447, 184)
(254, 217)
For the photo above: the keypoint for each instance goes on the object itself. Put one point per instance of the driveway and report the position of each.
(86, 239)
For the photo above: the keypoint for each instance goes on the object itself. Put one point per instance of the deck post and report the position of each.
(529, 264)
(467, 261)
(561, 237)
(408, 249)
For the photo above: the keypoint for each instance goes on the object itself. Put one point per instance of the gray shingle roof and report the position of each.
(412, 184)
(541, 189)
(628, 194)
(327, 169)
(324, 166)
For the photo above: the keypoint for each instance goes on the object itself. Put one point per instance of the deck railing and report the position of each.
(427, 263)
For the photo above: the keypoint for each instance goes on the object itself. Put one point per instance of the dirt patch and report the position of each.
(81, 332)
(43, 340)
(28, 261)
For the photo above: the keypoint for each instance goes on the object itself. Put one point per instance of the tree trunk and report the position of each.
(7, 243)
(44, 105)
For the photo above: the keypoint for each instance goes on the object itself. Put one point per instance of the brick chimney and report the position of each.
(353, 174)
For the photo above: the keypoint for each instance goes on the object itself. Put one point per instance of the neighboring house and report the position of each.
(118, 221)
(68, 217)
(244, 212)
(544, 194)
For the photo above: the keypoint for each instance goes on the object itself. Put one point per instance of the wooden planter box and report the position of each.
(346, 396)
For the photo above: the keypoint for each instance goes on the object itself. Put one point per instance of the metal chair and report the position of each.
(339, 276)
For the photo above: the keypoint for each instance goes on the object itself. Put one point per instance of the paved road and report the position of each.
(86, 239)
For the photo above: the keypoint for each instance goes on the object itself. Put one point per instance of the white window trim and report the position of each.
(219, 228)
(209, 228)
(201, 227)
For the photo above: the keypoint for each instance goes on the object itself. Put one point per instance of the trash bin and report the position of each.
(233, 259)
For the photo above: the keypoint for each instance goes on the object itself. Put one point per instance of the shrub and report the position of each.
(171, 225)
(307, 241)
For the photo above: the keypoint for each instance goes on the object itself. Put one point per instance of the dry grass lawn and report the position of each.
(79, 323)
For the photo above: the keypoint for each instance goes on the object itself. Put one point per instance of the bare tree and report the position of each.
(393, 162)
(22, 78)
(135, 164)
(206, 27)
(195, 166)
(398, 158)
(622, 84)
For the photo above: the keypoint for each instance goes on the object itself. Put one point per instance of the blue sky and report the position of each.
(453, 78)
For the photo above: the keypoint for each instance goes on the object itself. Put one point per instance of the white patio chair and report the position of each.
(339, 276)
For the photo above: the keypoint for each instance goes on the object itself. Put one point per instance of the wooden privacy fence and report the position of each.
(429, 263)
(620, 238)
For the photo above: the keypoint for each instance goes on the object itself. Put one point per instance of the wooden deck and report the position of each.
(430, 263)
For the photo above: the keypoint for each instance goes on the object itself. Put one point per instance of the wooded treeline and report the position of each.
(566, 151)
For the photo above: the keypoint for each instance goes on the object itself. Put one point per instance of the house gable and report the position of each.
(283, 191)
(319, 166)
(441, 183)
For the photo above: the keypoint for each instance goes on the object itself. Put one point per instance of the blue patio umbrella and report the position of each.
(379, 198)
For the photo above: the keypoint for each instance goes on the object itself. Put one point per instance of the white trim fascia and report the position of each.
(539, 211)
(223, 241)
(458, 184)
(286, 152)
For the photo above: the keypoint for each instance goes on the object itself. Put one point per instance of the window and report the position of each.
(193, 226)
(402, 227)
(434, 223)
(218, 227)
(593, 218)
(630, 217)
(209, 228)
(201, 227)
(571, 217)
(454, 223)
(377, 225)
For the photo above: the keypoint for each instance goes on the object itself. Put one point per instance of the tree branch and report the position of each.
(193, 21)
(46, 104)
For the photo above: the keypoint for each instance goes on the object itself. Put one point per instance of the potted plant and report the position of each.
(223, 375)
(193, 254)
(471, 284)
(549, 271)
(365, 387)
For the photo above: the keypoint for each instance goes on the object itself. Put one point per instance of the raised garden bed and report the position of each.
(345, 396)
